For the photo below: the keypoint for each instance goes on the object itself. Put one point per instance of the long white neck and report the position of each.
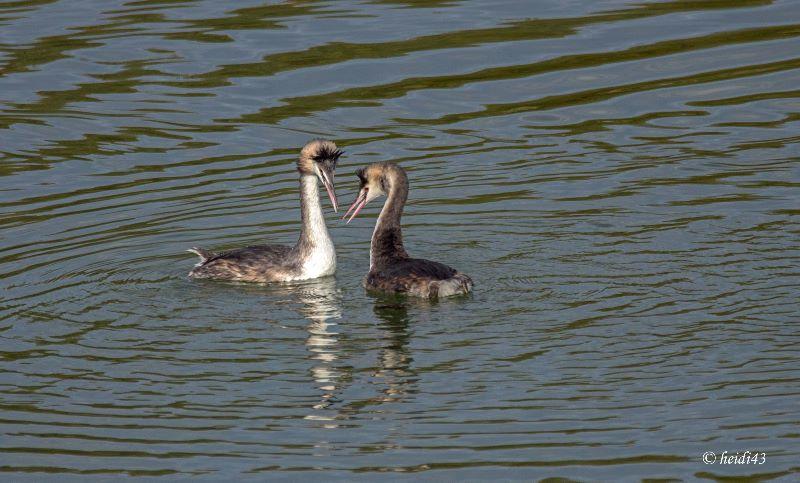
(315, 247)
(314, 231)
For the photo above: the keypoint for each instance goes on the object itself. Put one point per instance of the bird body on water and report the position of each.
(391, 269)
(312, 256)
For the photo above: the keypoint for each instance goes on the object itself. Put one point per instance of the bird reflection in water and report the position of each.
(321, 305)
(394, 359)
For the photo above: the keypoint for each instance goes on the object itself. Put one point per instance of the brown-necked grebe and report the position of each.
(390, 267)
(312, 256)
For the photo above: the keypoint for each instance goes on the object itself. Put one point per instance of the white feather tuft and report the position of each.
(197, 252)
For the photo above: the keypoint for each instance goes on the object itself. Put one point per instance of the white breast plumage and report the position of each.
(320, 263)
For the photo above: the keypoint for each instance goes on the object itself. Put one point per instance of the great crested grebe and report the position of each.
(312, 256)
(390, 267)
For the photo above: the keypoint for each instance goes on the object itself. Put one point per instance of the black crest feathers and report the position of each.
(327, 153)
(362, 176)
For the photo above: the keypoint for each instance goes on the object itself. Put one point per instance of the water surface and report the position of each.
(619, 178)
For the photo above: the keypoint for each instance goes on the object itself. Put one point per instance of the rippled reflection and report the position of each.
(321, 305)
(394, 358)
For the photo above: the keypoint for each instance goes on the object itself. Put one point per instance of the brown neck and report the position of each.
(387, 239)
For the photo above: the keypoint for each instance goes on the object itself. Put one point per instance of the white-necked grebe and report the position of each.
(312, 256)
(390, 267)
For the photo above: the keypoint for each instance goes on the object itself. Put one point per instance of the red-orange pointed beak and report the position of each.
(359, 203)
(327, 181)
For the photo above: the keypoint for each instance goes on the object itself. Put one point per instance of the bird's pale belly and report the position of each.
(320, 264)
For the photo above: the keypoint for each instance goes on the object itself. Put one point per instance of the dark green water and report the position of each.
(619, 178)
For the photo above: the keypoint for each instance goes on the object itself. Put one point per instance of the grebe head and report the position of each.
(374, 181)
(319, 157)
